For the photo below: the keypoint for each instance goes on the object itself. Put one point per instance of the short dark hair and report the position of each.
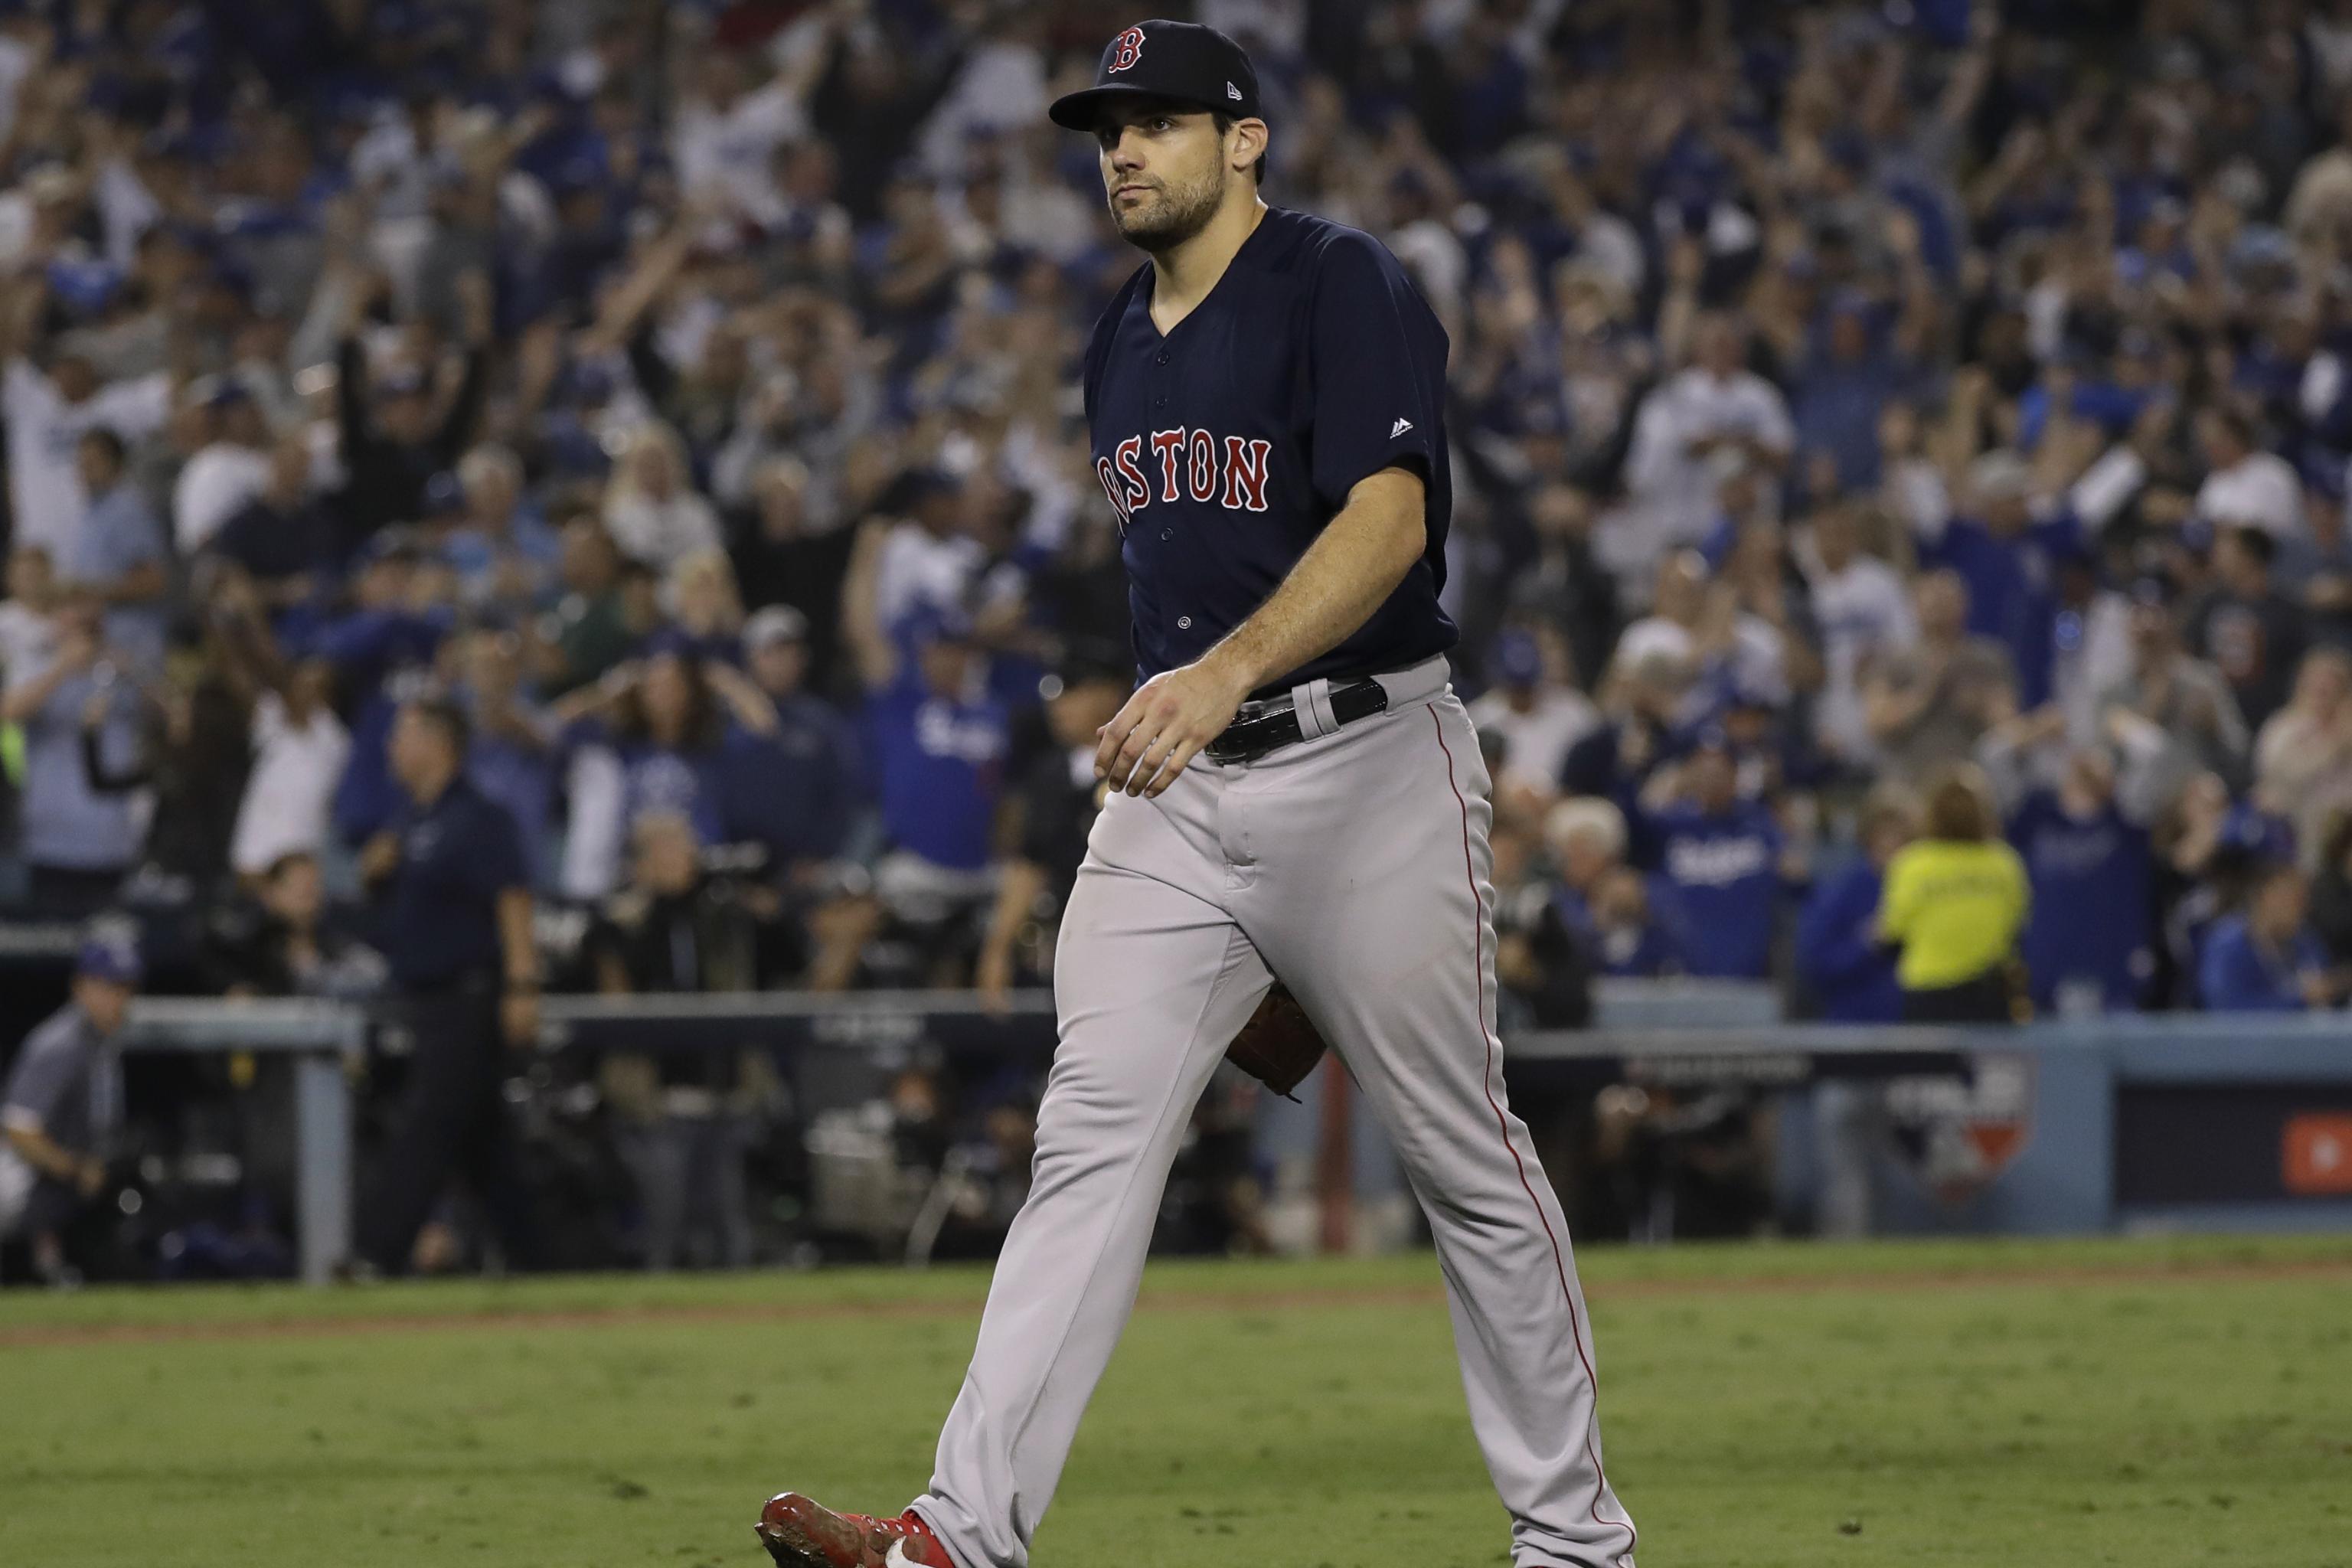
(2256, 541)
(1224, 123)
(106, 441)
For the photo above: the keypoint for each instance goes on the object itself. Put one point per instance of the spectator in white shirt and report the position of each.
(2245, 487)
(728, 128)
(1864, 612)
(300, 748)
(1536, 712)
(927, 562)
(46, 415)
(650, 507)
(1709, 418)
(228, 472)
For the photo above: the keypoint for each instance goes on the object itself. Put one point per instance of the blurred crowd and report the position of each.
(1901, 538)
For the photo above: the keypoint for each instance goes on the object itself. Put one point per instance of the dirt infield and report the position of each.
(1607, 1292)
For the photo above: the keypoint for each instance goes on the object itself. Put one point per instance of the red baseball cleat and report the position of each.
(800, 1533)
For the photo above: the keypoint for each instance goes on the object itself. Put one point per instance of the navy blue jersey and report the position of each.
(440, 916)
(1226, 444)
(2093, 901)
(941, 762)
(1726, 871)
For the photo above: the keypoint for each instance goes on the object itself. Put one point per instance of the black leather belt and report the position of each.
(1266, 726)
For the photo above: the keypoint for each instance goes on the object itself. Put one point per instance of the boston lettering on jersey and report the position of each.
(1228, 442)
(1231, 473)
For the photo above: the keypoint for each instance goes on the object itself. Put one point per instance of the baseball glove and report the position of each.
(1279, 1047)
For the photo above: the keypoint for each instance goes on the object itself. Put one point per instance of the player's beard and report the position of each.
(1181, 212)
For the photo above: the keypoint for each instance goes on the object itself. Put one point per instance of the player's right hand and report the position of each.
(1150, 743)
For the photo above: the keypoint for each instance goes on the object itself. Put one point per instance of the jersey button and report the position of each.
(1159, 358)
(1183, 623)
(1167, 533)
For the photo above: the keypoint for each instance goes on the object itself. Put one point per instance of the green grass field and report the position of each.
(2000, 1406)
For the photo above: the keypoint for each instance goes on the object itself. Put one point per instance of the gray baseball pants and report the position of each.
(1355, 865)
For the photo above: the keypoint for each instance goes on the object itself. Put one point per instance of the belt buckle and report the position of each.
(1236, 742)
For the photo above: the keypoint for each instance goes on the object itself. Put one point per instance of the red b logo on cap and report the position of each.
(1127, 49)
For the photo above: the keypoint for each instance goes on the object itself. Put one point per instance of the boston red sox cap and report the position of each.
(1180, 60)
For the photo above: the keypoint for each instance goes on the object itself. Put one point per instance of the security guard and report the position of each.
(63, 1102)
(453, 890)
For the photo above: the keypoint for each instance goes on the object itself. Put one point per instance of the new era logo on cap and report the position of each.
(1233, 92)
(1398, 428)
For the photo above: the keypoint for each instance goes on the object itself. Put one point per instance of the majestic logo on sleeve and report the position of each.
(1126, 49)
(1171, 465)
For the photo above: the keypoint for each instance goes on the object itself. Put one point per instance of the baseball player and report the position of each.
(1296, 794)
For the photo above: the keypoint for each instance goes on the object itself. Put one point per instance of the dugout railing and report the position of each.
(2082, 1120)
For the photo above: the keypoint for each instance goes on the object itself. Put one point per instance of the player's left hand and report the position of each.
(1149, 743)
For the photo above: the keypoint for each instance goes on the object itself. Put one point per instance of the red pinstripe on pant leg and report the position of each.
(1502, 1126)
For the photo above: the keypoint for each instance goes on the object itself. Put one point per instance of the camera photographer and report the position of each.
(63, 1106)
(684, 1116)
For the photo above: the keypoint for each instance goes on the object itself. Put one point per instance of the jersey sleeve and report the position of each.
(1774, 426)
(1375, 392)
(43, 1074)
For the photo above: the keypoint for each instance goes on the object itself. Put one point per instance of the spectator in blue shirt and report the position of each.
(1848, 971)
(1854, 368)
(117, 556)
(2265, 958)
(1645, 699)
(382, 652)
(503, 552)
(1628, 938)
(669, 721)
(1586, 838)
(2009, 564)
(78, 842)
(2087, 943)
(796, 791)
(939, 741)
(1724, 857)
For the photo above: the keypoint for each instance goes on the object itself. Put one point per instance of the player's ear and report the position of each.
(1245, 145)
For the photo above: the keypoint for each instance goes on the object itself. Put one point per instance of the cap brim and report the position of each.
(1083, 110)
